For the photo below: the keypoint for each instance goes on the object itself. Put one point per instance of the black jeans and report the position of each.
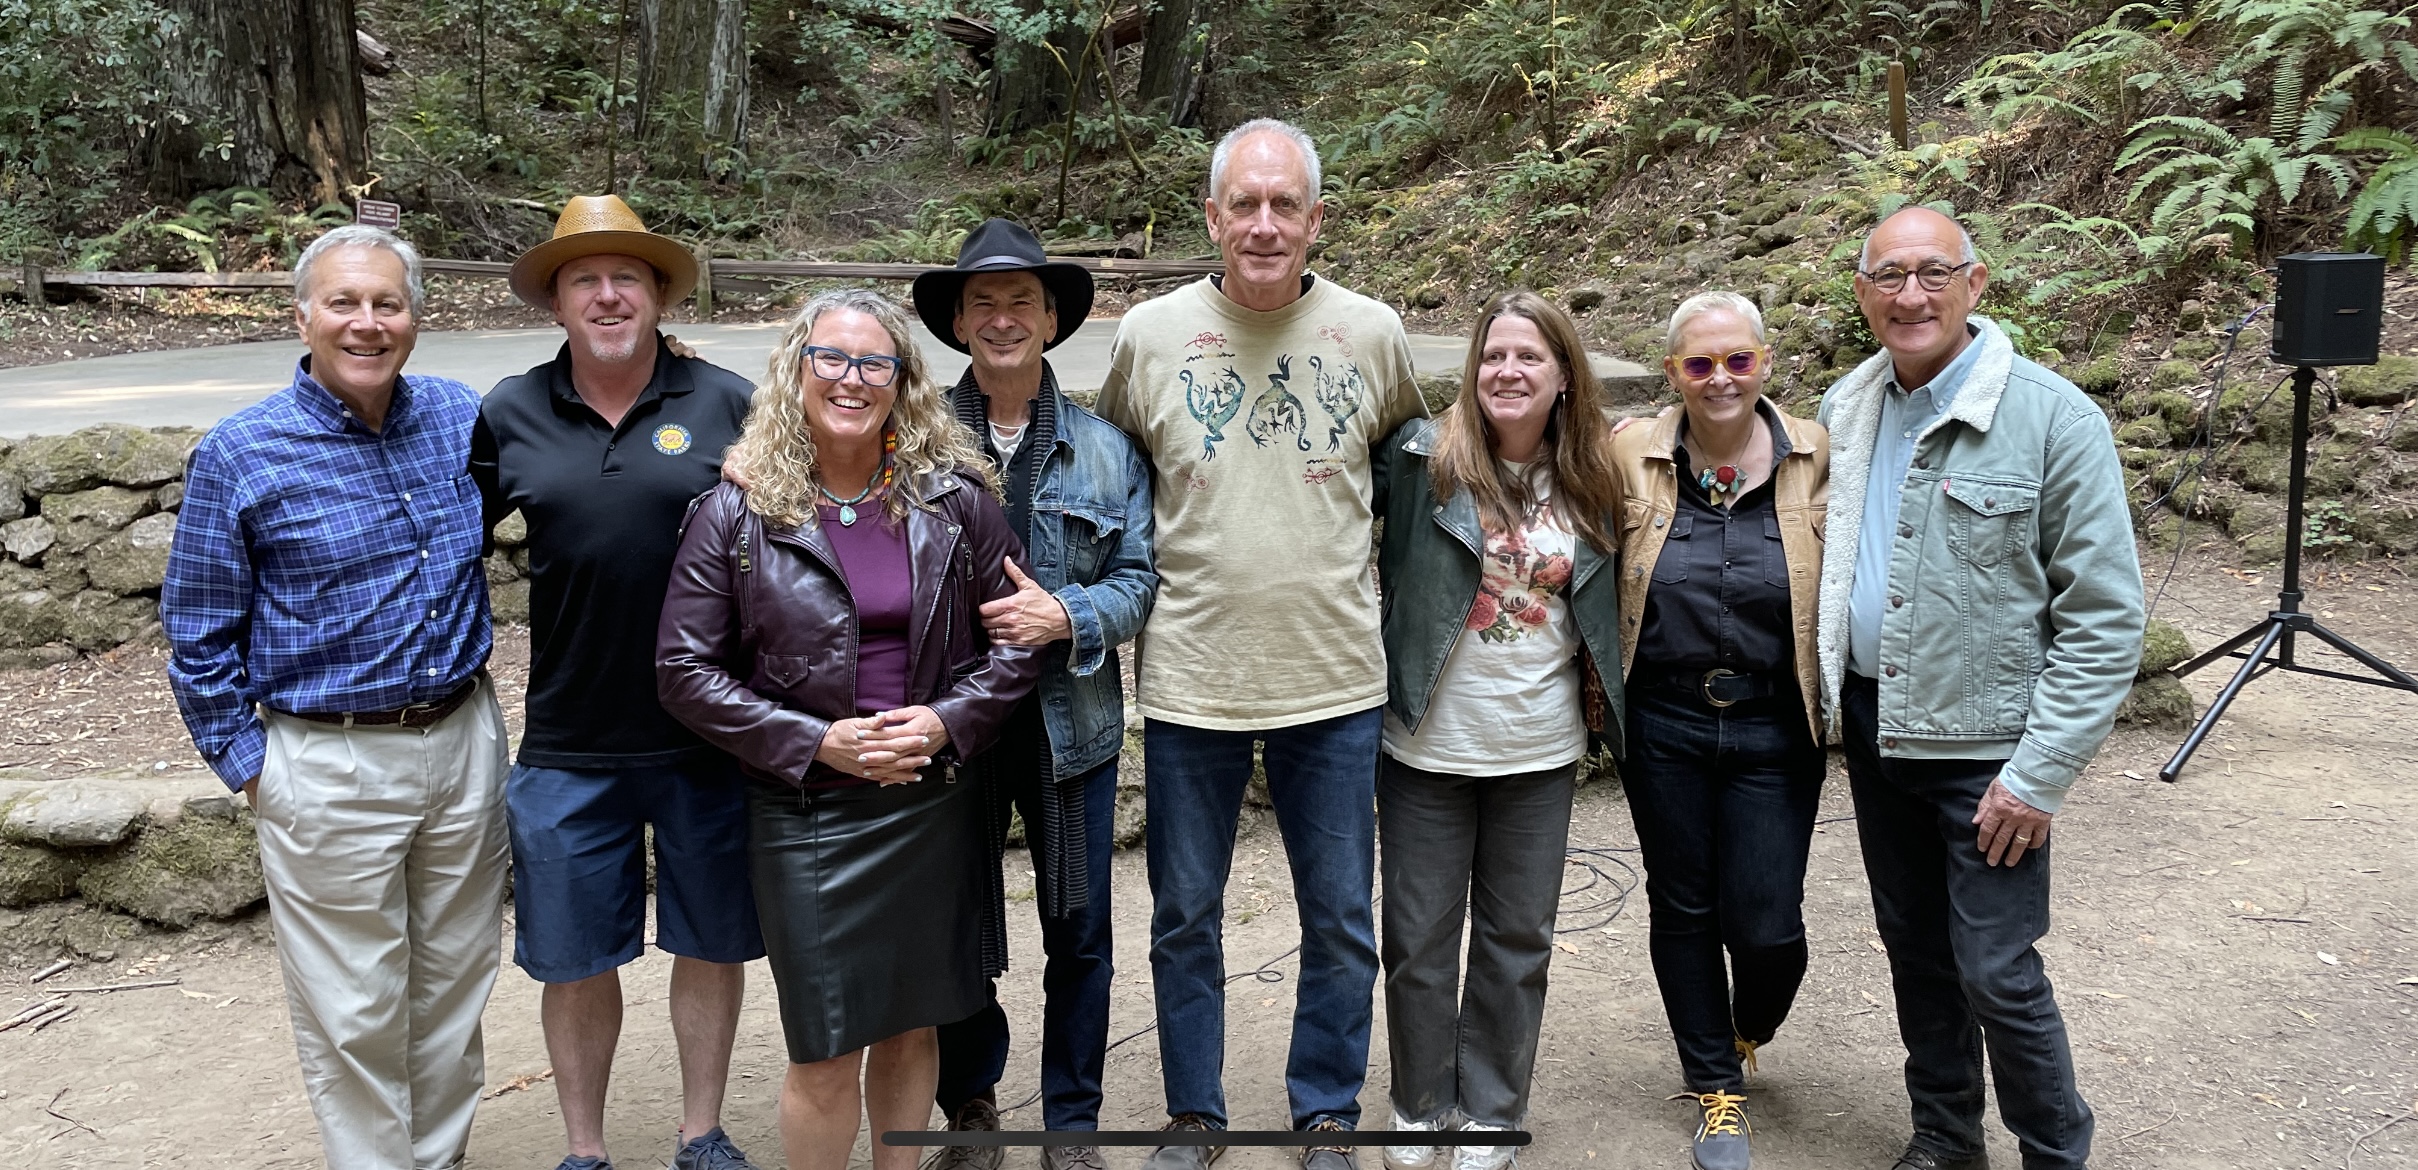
(1961, 960)
(1491, 846)
(1075, 982)
(1724, 799)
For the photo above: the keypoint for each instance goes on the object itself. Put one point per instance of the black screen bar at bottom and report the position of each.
(1297, 1138)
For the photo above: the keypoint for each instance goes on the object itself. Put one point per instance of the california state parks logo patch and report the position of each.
(673, 439)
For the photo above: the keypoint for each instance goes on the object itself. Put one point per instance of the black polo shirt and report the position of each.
(603, 504)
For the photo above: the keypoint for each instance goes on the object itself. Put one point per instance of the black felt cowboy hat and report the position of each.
(1001, 245)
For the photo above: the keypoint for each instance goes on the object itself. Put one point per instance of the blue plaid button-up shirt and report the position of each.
(321, 566)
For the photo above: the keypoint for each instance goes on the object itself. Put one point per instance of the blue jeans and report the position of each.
(1322, 778)
(1961, 960)
(1075, 982)
(1724, 799)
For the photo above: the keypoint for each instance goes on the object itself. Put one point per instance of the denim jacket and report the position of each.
(2013, 623)
(1089, 545)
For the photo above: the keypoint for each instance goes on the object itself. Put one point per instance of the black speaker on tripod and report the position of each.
(2329, 311)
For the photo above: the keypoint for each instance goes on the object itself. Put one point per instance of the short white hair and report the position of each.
(353, 235)
(1707, 302)
(1299, 137)
(1964, 239)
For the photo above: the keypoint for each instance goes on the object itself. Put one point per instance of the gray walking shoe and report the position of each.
(1330, 1157)
(710, 1151)
(1721, 1131)
(1072, 1158)
(1185, 1157)
(579, 1162)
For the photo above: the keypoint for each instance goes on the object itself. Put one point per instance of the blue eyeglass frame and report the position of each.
(864, 366)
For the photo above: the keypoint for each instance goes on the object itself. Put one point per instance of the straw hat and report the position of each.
(601, 225)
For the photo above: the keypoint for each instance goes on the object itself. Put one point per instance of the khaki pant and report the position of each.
(384, 852)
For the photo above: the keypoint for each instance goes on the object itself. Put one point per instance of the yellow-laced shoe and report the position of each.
(1721, 1130)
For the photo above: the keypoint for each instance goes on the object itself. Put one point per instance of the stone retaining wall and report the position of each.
(85, 524)
(170, 850)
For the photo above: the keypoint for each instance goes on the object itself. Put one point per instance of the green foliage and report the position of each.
(2385, 216)
(2209, 182)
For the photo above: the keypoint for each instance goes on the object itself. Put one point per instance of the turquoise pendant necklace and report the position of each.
(848, 506)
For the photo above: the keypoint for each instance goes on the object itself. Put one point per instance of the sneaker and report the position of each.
(979, 1114)
(1185, 1157)
(1072, 1158)
(712, 1151)
(1330, 1157)
(576, 1162)
(1412, 1157)
(1483, 1157)
(1721, 1128)
(1918, 1158)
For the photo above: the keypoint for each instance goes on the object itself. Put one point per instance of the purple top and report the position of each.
(873, 559)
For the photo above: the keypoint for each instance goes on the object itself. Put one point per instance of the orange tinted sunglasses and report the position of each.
(1739, 362)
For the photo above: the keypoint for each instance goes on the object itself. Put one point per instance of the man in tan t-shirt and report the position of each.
(1256, 395)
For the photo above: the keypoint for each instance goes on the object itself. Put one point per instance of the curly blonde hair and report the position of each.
(775, 452)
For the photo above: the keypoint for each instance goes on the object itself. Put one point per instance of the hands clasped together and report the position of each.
(886, 747)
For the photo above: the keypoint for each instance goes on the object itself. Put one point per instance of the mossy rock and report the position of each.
(2265, 547)
(2174, 375)
(2251, 407)
(2253, 515)
(200, 867)
(2141, 458)
(2159, 531)
(2100, 376)
(2144, 432)
(2389, 528)
(1438, 390)
(2163, 647)
(2179, 411)
(2196, 349)
(2157, 701)
(2261, 467)
(31, 873)
(2387, 383)
(509, 601)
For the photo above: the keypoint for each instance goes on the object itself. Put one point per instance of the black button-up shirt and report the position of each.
(1720, 592)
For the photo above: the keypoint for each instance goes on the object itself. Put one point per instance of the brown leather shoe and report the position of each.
(1185, 1157)
(978, 1114)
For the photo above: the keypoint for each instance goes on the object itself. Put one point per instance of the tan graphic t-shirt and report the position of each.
(1258, 428)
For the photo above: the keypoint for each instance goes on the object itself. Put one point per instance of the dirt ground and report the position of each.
(2235, 954)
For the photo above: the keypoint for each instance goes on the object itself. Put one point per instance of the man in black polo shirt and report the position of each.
(601, 451)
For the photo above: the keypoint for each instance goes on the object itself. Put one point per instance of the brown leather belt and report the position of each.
(416, 715)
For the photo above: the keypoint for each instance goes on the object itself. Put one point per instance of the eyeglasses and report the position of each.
(831, 365)
(1893, 279)
(1739, 362)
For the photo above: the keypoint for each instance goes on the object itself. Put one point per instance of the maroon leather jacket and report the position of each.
(756, 649)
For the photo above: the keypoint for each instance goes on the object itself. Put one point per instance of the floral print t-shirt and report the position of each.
(1508, 698)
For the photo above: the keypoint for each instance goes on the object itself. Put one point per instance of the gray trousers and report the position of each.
(1490, 847)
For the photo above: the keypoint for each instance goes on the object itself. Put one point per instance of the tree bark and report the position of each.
(726, 76)
(674, 39)
(275, 87)
(1174, 51)
(1029, 89)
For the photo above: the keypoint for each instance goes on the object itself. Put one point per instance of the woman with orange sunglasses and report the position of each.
(1721, 551)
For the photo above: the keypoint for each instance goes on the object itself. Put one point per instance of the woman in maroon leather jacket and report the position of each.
(821, 626)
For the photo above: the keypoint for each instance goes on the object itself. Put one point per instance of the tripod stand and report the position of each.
(2275, 633)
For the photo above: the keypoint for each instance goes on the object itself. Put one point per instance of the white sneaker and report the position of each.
(1483, 1157)
(1413, 1157)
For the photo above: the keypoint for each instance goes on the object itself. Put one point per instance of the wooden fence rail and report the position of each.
(735, 275)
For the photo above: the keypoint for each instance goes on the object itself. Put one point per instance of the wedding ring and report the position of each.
(2020, 839)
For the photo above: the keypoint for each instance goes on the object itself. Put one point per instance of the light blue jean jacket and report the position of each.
(2012, 624)
(1089, 545)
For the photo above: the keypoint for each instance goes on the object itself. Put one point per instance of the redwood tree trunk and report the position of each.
(276, 87)
(1174, 51)
(726, 76)
(675, 37)
(1028, 86)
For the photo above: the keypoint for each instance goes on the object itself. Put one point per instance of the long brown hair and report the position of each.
(1578, 438)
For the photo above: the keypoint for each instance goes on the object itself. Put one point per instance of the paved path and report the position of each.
(197, 387)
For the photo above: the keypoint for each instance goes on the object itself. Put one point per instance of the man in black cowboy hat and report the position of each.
(1079, 495)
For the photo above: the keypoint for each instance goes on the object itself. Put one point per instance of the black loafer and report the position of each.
(1918, 1158)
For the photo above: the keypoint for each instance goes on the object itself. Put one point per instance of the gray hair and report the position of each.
(353, 235)
(1291, 133)
(1707, 302)
(1964, 239)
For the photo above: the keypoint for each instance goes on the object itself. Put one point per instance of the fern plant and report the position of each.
(2385, 216)
(2215, 184)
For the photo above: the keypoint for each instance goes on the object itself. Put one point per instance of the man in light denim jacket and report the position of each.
(1981, 619)
(1078, 495)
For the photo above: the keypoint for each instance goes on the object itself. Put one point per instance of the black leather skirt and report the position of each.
(871, 900)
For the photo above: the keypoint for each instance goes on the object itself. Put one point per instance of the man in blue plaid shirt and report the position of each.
(329, 620)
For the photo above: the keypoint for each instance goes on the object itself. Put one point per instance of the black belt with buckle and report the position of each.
(1722, 687)
(417, 715)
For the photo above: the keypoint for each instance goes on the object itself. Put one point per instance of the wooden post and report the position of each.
(1897, 103)
(34, 259)
(705, 283)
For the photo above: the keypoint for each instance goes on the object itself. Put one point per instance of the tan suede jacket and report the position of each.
(1801, 495)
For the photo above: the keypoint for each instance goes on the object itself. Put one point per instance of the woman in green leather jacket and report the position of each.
(1501, 521)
